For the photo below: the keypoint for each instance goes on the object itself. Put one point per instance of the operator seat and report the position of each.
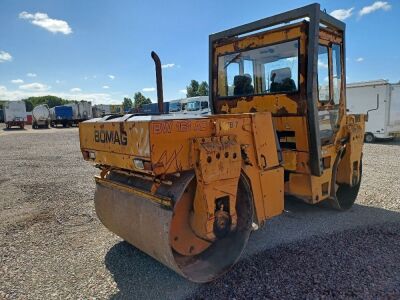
(243, 85)
(281, 81)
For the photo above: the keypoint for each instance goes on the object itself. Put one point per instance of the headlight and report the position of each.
(138, 163)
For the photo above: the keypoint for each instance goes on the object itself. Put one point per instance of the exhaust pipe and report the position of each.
(160, 97)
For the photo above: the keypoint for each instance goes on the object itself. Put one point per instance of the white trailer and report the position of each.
(380, 100)
(81, 111)
(15, 114)
(85, 110)
(40, 116)
(75, 110)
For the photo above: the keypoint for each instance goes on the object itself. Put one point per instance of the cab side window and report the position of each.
(337, 73)
(323, 73)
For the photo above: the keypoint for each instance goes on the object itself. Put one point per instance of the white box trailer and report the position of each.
(85, 110)
(380, 100)
(81, 111)
(75, 110)
(15, 114)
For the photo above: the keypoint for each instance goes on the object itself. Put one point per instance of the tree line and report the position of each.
(194, 89)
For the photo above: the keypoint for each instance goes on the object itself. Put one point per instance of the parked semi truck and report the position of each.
(14, 114)
(40, 116)
(193, 105)
(188, 190)
(1, 115)
(81, 111)
(61, 115)
(175, 106)
(100, 110)
(198, 105)
(380, 100)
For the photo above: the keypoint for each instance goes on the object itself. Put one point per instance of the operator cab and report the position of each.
(276, 65)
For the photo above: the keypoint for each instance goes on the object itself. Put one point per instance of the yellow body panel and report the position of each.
(169, 147)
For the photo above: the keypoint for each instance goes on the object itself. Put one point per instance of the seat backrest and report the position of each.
(243, 85)
(281, 80)
(281, 75)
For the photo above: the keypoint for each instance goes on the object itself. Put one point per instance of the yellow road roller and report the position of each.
(189, 189)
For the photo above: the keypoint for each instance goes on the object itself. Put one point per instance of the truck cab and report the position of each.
(197, 105)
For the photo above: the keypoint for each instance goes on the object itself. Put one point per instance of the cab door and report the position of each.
(330, 87)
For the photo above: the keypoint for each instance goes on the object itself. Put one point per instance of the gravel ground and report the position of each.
(361, 264)
(52, 245)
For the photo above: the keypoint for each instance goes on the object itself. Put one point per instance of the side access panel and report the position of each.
(272, 191)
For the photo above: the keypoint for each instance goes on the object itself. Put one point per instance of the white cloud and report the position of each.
(183, 91)
(95, 98)
(374, 7)
(291, 59)
(148, 89)
(35, 86)
(167, 66)
(322, 64)
(106, 87)
(17, 81)
(360, 59)
(112, 77)
(75, 90)
(31, 74)
(342, 14)
(5, 56)
(43, 20)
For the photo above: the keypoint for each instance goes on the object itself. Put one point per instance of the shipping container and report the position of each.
(61, 115)
(380, 100)
(14, 113)
(40, 116)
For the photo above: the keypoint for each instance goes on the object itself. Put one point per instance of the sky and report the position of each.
(100, 50)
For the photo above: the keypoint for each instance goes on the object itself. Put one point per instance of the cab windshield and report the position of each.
(174, 106)
(193, 106)
(265, 70)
